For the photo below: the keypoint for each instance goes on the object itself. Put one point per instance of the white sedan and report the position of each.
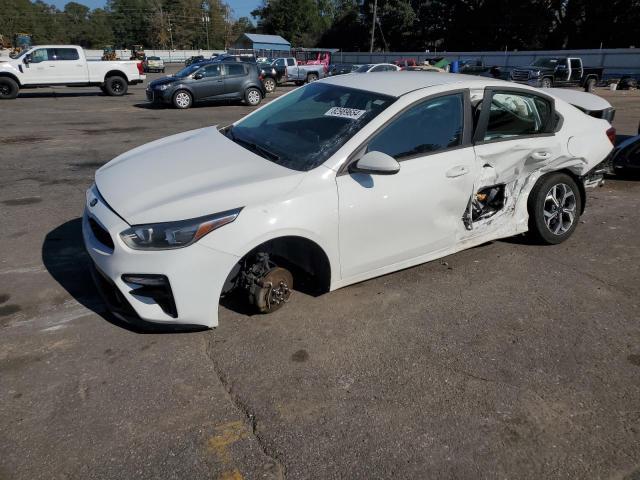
(377, 67)
(342, 180)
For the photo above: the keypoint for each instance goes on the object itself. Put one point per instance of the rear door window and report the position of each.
(66, 54)
(517, 114)
(235, 69)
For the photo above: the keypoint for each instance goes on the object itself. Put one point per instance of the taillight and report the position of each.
(611, 134)
(140, 68)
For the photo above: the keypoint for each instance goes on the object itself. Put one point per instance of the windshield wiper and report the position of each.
(263, 152)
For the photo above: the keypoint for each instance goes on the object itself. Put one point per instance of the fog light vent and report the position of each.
(156, 287)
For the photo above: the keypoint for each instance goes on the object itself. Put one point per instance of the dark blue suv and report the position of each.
(209, 81)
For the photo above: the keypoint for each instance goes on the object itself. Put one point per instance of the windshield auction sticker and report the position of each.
(350, 113)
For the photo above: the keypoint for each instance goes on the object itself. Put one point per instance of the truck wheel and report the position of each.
(269, 85)
(182, 99)
(8, 88)
(590, 86)
(554, 208)
(546, 83)
(312, 77)
(116, 86)
(253, 97)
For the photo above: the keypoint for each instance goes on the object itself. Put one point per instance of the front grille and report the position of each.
(101, 234)
(520, 75)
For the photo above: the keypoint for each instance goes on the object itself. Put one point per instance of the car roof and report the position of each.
(400, 83)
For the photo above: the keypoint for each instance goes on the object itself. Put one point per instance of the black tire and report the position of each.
(546, 82)
(182, 99)
(9, 88)
(253, 97)
(163, 70)
(312, 77)
(116, 86)
(553, 221)
(590, 85)
(269, 85)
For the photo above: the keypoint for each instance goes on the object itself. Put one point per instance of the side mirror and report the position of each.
(27, 59)
(376, 163)
(198, 76)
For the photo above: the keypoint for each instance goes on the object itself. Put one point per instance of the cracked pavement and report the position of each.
(508, 360)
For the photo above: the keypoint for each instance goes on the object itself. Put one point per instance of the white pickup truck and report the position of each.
(66, 65)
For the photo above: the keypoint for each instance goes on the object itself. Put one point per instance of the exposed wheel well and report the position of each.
(12, 77)
(305, 259)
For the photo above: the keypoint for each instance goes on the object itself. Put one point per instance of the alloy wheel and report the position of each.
(253, 97)
(183, 100)
(559, 208)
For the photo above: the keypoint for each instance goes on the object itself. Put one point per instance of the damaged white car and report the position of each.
(342, 180)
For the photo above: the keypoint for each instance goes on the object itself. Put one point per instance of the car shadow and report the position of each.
(56, 94)
(200, 104)
(66, 260)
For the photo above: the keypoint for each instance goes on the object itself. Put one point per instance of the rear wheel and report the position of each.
(590, 86)
(546, 83)
(253, 97)
(116, 86)
(312, 77)
(554, 208)
(269, 84)
(9, 88)
(182, 99)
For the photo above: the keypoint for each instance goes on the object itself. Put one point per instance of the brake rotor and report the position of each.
(275, 289)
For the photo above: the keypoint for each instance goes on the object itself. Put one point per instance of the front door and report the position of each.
(208, 82)
(42, 68)
(388, 219)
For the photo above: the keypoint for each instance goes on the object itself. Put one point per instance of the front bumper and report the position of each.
(196, 273)
(158, 96)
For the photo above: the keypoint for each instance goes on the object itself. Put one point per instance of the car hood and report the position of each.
(164, 81)
(189, 175)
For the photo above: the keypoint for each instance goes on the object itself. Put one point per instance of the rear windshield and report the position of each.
(153, 58)
(363, 68)
(304, 128)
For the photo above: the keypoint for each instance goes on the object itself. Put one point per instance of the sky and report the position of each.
(241, 8)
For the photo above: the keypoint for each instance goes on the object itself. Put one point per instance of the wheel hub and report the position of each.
(559, 209)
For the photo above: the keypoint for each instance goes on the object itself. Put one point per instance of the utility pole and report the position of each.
(170, 34)
(373, 24)
(205, 20)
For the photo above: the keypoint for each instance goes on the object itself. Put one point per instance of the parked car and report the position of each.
(193, 59)
(424, 68)
(288, 70)
(66, 65)
(550, 72)
(405, 62)
(343, 180)
(377, 67)
(472, 67)
(225, 57)
(209, 81)
(625, 159)
(269, 76)
(153, 64)
(342, 68)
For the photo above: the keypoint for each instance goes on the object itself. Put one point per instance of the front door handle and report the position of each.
(541, 155)
(457, 171)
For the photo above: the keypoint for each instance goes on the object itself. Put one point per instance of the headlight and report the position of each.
(164, 236)
(163, 87)
(535, 73)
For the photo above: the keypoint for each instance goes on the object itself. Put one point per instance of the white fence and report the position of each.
(615, 61)
(167, 55)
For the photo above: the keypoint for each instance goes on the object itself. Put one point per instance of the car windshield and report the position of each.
(546, 62)
(304, 128)
(185, 72)
(363, 68)
(153, 58)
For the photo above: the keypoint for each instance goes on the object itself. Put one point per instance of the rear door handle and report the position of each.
(541, 155)
(457, 171)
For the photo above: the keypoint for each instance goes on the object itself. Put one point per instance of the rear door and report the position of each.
(68, 66)
(210, 84)
(576, 70)
(235, 75)
(514, 136)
